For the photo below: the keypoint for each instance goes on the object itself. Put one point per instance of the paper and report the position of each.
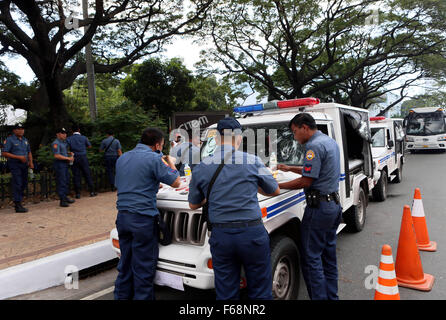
(168, 279)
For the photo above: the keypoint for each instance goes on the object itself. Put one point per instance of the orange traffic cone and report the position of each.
(409, 271)
(387, 286)
(419, 224)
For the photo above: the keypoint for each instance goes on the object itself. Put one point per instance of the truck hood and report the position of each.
(181, 193)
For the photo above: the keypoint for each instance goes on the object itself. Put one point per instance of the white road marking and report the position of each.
(99, 294)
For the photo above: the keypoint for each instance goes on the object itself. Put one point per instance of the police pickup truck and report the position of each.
(388, 153)
(187, 260)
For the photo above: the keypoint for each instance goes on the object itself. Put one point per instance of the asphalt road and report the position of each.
(355, 251)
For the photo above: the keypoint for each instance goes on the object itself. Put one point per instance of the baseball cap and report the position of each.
(229, 123)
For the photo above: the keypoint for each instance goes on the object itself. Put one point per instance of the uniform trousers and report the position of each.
(318, 250)
(138, 242)
(232, 248)
(62, 178)
(19, 178)
(80, 166)
(110, 167)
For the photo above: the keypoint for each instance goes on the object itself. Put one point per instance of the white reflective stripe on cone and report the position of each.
(386, 259)
(387, 274)
(386, 290)
(417, 208)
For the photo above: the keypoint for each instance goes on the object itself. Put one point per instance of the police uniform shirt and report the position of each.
(138, 175)
(60, 147)
(114, 147)
(16, 146)
(322, 163)
(234, 194)
(78, 144)
(188, 153)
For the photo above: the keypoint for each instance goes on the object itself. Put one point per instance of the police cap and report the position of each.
(61, 130)
(229, 123)
(18, 126)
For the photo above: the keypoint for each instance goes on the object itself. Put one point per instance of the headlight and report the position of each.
(441, 139)
(410, 139)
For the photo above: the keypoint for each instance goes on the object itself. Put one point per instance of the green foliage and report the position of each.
(44, 156)
(164, 87)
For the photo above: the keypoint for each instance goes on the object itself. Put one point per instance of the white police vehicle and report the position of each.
(187, 261)
(388, 153)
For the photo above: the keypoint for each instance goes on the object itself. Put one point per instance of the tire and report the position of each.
(356, 215)
(399, 174)
(285, 268)
(379, 192)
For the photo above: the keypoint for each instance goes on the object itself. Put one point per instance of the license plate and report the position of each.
(168, 279)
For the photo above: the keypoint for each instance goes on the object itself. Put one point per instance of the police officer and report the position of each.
(138, 176)
(238, 237)
(61, 163)
(112, 150)
(320, 180)
(78, 145)
(19, 155)
(188, 152)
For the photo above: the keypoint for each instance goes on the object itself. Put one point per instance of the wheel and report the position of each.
(285, 268)
(355, 216)
(379, 192)
(399, 173)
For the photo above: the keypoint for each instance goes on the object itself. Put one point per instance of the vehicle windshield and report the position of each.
(378, 137)
(263, 140)
(424, 124)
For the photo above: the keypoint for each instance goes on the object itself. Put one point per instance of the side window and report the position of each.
(323, 128)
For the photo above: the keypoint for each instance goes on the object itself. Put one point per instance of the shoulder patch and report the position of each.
(309, 155)
(55, 146)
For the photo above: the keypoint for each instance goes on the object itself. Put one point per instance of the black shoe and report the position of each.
(64, 203)
(20, 208)
(68, 200)
(93, 194)
(113, 188)
(78, 195)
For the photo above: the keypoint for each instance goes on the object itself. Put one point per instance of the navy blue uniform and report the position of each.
(78, 145)
(19, 170)
(138, 175)
(319, 225)
(110, 156)
(187, 153)
(238, 236)
(61, 168)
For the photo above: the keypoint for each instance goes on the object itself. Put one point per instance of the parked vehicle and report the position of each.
(188, 259)
(426, 129)
(388, 153)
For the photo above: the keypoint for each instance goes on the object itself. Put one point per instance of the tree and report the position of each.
(13, 92)
(294, 48)
(161, 86)
(48, 37)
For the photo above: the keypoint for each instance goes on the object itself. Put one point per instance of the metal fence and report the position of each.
(42, 186)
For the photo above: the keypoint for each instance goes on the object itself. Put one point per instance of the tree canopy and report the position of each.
(47, 35)
(342, 50)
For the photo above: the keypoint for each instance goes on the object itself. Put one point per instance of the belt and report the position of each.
(238, 224)
(328, 197)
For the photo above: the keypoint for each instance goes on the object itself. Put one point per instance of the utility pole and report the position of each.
(90, 69)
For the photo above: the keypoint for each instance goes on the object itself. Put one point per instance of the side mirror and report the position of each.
(391, 144)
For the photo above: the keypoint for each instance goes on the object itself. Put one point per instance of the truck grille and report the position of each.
(185, 227)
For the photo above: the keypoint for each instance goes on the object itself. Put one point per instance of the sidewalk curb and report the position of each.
(50, 271)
